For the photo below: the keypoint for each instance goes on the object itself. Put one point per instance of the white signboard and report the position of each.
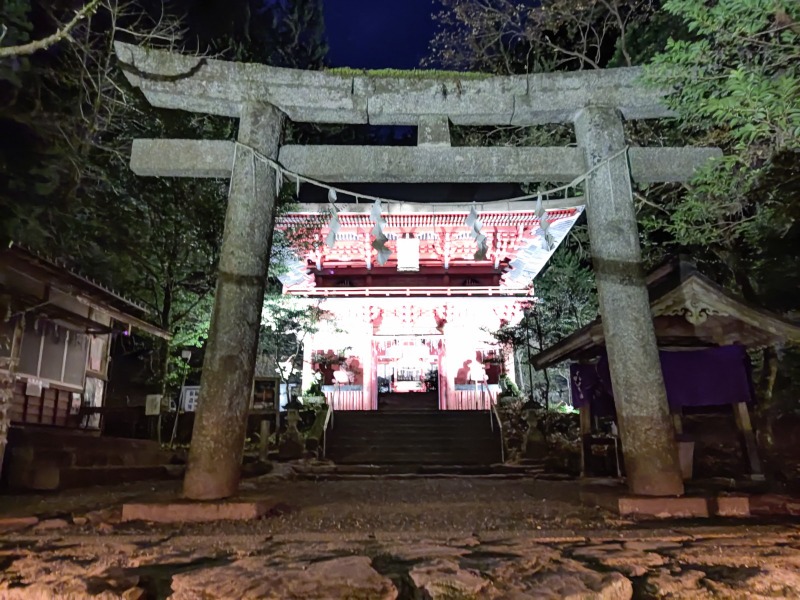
(189, 396)
(152, 404)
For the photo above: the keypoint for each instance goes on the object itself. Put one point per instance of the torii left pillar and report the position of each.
(215, 455)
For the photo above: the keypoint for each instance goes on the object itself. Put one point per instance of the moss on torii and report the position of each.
(407, 74)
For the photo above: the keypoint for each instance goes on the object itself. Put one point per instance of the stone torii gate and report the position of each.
(263, 97)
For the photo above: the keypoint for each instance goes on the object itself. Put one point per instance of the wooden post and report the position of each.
(263, 443)
(8, 366)
(742, 416)
(677, 420)
(586, 432)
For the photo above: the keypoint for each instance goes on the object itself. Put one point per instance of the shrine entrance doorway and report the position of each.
(408, 368)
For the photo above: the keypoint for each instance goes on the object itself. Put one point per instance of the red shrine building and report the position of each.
(422, 321)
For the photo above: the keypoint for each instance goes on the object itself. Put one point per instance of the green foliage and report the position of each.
(736, 84)
(732, 69)
(286, 322)
(565, 301)
(67, 118)
(735, 81)
(509, 387)
(315, 389)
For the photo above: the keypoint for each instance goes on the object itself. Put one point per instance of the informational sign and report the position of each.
(93, 394)
(75, 403)
(34, 387)
(189, 396)
(265, 393)
(152, 404)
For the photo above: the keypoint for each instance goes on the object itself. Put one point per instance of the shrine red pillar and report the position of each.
(444, 379)
(449, 369)
(373, 376)
(367, 356)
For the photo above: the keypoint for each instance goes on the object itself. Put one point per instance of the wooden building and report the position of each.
(702, 332)
(55, 334)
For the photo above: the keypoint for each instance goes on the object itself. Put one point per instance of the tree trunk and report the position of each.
(766, 410)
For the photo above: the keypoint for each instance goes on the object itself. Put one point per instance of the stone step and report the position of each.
(49, 478)
(418, 459)
(70, 448)
(413, 437)
(462, 432)
(411, 442)
(342, 423)
(455, 453)
(408, 437)
(392, 471)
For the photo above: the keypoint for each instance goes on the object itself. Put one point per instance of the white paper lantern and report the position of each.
(407, 253)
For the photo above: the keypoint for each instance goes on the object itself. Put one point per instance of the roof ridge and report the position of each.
(61, 263)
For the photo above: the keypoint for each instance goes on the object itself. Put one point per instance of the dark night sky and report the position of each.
(391, 34)
(378, 34)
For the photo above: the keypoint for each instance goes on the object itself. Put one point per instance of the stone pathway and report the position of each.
(373, 539)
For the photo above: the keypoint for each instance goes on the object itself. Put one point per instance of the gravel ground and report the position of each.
(453, 538)
(461, 505)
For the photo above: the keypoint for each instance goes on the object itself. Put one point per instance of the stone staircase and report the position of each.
(413, 438)
(416, 402)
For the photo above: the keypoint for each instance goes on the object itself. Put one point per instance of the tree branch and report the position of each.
(59, 35)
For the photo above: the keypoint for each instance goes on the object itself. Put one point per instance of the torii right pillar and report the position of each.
(648, 437)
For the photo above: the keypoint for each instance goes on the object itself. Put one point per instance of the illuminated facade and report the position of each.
(420, 322)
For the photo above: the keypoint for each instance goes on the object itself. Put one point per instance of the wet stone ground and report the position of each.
(439, 538)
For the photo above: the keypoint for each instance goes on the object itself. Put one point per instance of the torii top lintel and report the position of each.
(204, 85)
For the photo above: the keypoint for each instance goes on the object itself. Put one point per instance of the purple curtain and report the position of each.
(707, 377)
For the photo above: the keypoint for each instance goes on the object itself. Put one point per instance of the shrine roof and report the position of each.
(689, 310)
(446, 262)
(446, 218)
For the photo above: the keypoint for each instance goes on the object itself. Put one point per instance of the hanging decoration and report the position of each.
(472, 221)
(379, 243)
(548, 243)
(334, 226)
(475, 225)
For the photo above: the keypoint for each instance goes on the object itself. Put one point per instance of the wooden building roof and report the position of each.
(689, 310)
(45, 287)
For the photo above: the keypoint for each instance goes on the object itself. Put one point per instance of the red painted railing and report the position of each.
(470, 399)
(348, 400)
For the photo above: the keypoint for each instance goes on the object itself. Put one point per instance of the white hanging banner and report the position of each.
(334, 227)
(475, 225)
(548, 242)
(379, 243)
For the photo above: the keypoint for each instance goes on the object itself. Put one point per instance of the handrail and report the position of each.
(493, 413)
(328, 420)
(456, 290)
